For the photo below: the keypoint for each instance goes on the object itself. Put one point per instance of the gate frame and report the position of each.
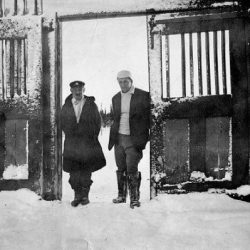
(59, 19)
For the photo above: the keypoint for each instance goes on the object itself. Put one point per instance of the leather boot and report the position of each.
(122, 187)
(77, 198)
(85, 195)
(134, 182)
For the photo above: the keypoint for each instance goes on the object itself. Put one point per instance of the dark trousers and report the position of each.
(127, 157)
(80, 179)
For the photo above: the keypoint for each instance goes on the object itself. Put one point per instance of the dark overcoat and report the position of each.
(81, 146)
(139, 119)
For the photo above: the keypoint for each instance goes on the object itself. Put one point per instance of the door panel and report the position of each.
(21, 103)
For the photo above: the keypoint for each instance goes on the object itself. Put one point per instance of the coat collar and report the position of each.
(132, 102)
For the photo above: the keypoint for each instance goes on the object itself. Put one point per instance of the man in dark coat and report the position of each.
(82, 154)
(129, 134)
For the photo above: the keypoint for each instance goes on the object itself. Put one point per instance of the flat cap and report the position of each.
(124, 74)
(76, 84)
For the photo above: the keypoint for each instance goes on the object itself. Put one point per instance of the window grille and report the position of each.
(195, 64)
(13, 68)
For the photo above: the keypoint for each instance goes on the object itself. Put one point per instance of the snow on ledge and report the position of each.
(19, 172)
(241, 191)
(197, 176)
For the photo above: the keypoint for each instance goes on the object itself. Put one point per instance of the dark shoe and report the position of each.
(134, 182)
(119, 200)
(84, 201)
(122, 188)
(77, 199)
(85, 196)
(134, 204)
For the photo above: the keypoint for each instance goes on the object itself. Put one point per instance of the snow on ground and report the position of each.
(184, 221)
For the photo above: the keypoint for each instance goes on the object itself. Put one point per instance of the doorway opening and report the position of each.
(94, 51)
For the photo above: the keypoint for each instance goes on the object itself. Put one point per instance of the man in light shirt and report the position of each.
(129, 134)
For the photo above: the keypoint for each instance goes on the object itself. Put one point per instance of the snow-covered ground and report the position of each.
(185, 221)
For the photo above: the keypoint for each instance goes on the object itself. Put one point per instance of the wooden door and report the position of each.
(198, 85)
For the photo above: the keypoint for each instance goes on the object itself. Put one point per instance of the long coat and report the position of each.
(139, 119)
(81, 146)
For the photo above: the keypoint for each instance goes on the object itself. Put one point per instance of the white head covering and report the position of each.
(124, 74)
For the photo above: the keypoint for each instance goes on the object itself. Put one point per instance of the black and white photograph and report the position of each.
(124, 125)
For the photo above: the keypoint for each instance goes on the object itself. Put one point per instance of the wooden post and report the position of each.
(239, 79)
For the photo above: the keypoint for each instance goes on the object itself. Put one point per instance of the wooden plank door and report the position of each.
(198, 75)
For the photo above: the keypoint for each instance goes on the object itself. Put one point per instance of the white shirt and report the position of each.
(125, 106)
(77, 105)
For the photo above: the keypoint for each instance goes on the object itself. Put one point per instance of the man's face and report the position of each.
(77, 92)
(125, 84)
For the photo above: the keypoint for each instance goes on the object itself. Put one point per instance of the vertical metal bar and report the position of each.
(183, 60)
(223, 53)
(7, 67)
(12, 67)
(41, 7)
(15, 7)
(1, 8)
(216, 71)
(199, 64)
(208, 63)
(15, 71)
(25, 8)
(19, 66)
(22, 66)
(167, 66)
(163, 66)
(25, 64)
(3, 68)
(191, 64)
(35, 8)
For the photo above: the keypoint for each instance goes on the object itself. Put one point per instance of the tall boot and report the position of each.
(77, 198)
(122, 187)
(85, 192)
(85, 195)
(134, 182)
